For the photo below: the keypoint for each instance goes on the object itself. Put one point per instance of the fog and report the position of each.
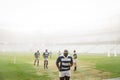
(29, 25)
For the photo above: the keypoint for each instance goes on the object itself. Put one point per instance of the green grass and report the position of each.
(104, 63)
(24, 69)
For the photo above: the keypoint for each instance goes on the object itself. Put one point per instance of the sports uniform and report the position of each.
(45, 56)
(75, 60)
(37, 55)
(65, 64)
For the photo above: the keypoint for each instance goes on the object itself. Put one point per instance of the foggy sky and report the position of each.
(64, 21)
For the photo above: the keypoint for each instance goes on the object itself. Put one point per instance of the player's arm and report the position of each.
(57, 63)
(71, 62)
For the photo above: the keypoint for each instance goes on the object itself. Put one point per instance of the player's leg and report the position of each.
(61, 75)
(37, 62)
(34, 61)
(67, 75)
(75, 66)
(44, 64)
(67, 78)
(61, 78)
(47, 64)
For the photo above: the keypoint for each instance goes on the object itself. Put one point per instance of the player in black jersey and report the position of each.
(64, 63)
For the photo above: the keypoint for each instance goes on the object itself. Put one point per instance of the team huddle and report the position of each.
(64, 62)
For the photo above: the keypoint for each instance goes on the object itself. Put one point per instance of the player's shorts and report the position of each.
(74, 60)
(65, 73)
(36, 59)
(45, 59)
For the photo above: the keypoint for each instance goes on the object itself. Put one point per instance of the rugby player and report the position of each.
(75, 60)
(36, 55)
(64, 64)
(45, 56)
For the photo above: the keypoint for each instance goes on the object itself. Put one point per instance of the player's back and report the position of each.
(45, 54)
(74, 56)
(37, 54)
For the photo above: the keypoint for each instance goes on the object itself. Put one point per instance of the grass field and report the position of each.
(90, 67)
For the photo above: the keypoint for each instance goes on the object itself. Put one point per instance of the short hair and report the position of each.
(65, 50)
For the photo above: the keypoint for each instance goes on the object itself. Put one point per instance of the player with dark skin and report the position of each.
(37, 55)
(64, 77)
(45, 56)
(75, 60)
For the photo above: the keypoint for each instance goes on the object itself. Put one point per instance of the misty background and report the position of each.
(89, 26)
